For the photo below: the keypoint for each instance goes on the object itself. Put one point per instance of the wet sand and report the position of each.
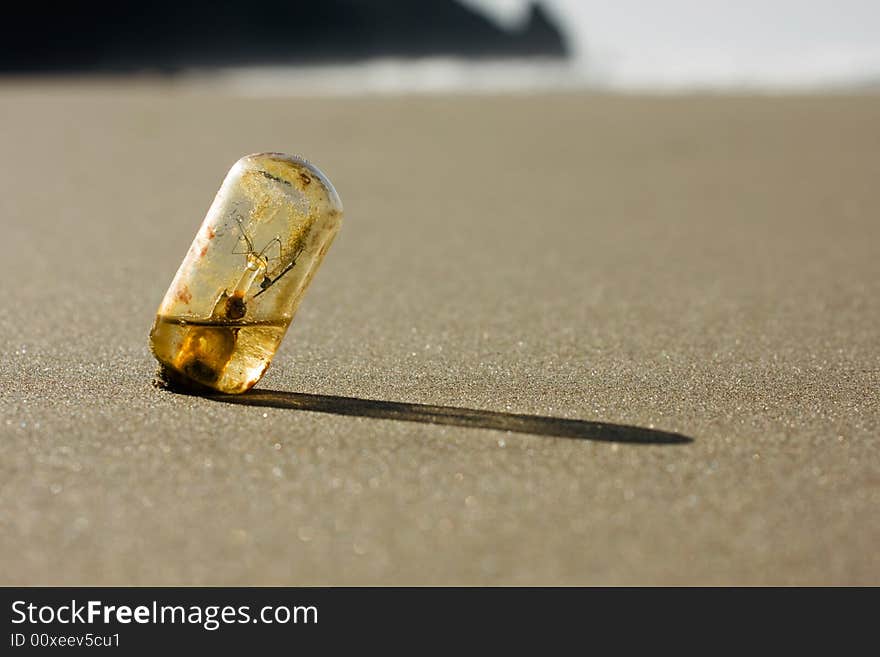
(708, 266)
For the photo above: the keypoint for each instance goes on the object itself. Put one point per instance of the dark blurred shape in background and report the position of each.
(167, 35)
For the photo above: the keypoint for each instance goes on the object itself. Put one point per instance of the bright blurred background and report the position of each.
(394, 46)
(715, 43)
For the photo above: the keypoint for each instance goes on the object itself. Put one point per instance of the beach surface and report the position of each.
(705, 265)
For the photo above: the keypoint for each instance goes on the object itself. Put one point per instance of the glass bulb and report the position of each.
(244, 275)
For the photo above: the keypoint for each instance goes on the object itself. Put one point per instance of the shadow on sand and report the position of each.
(453, 416)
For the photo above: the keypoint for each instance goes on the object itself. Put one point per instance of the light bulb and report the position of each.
(244, 275)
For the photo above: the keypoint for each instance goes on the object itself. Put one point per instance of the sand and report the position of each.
(700, 265)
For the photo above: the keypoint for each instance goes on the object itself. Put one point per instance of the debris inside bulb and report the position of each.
(245, 273)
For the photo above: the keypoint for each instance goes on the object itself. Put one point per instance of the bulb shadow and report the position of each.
(454, 416)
